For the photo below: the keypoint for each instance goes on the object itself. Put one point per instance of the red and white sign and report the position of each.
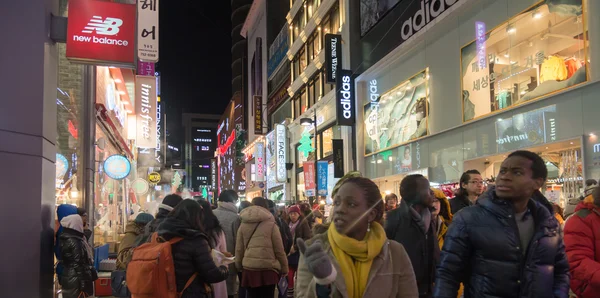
(310, 184)
(101, 33)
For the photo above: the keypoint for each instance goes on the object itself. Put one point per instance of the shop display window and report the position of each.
(302, 60)
(398, 116)
(300, 196)
(538, 52)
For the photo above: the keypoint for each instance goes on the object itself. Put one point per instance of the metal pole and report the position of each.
(89, 144)
(316, 155)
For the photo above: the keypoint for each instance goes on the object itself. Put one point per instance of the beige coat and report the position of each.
(265, 250)
(391, 274)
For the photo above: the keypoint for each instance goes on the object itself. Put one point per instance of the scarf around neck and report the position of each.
(293, 226)
(356, 257)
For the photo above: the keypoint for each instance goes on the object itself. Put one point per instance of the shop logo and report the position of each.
(597, 148)
(345, 98)
(374, 95)
(333, 56)
(428, 11)
(281, 141)
(108, 26)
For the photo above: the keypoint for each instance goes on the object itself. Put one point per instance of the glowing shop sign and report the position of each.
(117, 167)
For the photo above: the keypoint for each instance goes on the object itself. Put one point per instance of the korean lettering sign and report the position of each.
(101, 33)
(259, 160)
(258, 125)
(147, 36)
(322, 175)
(309, 178)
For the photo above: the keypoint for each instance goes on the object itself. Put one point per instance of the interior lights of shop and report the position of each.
(537, 14)
(514, 74)
(118, 81)
(379, 161)
(387, 192)
(510, 29)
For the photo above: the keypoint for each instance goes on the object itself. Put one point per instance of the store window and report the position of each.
(310, 45)
(325, 27)
(310, 8)
(327, 143)
(326, 86)
(540, 51)
(295, 68)
(398, 116)
(300, 187)
(282, 113)
(302, 60)
(335, 19)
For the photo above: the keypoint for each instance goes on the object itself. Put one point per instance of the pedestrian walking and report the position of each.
(508, 244)
(77, 257)
(353, 258)
(300, 230)
(259, 251)
(413, 226)
(227, 214)
(470, 187)
(216, 239)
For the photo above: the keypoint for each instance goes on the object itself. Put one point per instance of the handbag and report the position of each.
(282, 287)
(118, 284)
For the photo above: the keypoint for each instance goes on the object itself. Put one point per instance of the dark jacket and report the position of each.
(191, 255)
(77, 266)
(459, 202)
(302, 232)
(483, 250)
(151, 227)
(405, 227)
(62, 211)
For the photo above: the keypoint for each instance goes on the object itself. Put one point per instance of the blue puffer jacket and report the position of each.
(482, 249)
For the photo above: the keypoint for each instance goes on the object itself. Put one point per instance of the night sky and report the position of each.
(195, 55)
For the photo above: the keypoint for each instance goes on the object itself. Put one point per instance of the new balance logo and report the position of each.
(108, 26)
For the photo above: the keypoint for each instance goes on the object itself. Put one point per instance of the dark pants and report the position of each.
(242, 291)
(261, 292)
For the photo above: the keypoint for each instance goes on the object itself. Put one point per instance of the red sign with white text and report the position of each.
(310, 184)
(101, 32)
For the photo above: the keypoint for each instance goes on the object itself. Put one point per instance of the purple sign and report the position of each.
(480, 38)
(145, 68)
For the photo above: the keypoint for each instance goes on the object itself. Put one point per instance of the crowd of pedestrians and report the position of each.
(501, 240)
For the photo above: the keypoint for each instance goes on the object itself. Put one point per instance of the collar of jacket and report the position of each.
(541, 209)
(464, 200)
(72, 233)
(340, 282)
(229, 207)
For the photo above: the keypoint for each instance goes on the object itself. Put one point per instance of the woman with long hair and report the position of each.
(300, 230)
(354, 258)
(192, 255)
(259, 252)
(216, 239)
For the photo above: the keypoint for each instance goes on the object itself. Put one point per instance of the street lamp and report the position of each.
(309, 122)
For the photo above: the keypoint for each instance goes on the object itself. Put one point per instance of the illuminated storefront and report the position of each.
(522, 81)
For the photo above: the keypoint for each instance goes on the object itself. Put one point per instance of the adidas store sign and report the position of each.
(422, 13)
(345, 98)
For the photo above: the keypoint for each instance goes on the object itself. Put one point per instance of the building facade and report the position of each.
(200, 145)
(463, 83)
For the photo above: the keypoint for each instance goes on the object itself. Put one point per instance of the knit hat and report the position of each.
(143, 218)
(294, 209)
(170, 202)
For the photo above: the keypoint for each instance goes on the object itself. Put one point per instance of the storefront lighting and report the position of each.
(122, 92)
(506, 55)
(592, 134)
(499, 119)
(427, 76)
(176, 164)
(510, 29)
(319, 28)
(523, 92)
(390, 158)
(408, 87)
(306, 121)
(387, 192)
(74, 190)
(537, 14)
(379, 161)
(118, 81)
(546, 148)
(571, 143)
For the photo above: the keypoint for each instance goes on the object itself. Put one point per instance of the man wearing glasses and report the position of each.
(471, 187)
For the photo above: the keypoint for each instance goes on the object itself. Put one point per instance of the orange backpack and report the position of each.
(151, 272)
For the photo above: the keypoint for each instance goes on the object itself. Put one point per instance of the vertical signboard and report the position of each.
(145, 111)
(345, 102)
(309, 178)
(338, 158)
(322, 175)
(333, 56)
(147, 36)
(146, 68)
(213, 174)
(281, 144)
(258, 120)
(101, 33)
(480, 37)
(259, 160)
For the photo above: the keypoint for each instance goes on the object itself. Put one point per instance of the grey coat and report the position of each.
(230, 222)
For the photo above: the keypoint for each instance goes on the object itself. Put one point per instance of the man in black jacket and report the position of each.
(413, 226)
(471, 187)
(508, 244)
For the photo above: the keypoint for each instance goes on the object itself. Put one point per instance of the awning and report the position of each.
(111, 129)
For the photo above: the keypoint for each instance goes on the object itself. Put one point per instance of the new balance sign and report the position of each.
(101, 33)
(345, 98)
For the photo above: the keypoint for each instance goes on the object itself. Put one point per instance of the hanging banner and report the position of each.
(146, 68)
(101, 33)
(338, 158)
(333, 56)
(309, 178)
(147, 36)
(259, 160)
(345, 102)
(281, 144)
(322, 173)
(145, 111)
(258, 120)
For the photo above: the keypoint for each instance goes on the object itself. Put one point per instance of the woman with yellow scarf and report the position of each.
(353, 258)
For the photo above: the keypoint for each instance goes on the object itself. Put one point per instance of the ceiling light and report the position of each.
(387, 192)
(129, 112)
(319, 28)
(391, 158)
(506, 55)
(523, 92)
(510, 29)
(592, 134)
(291, 27)
(118, 81)
(399, 93)
(408, 87)
(379, 161)
(306, 121)
(427, 76)
(537, 14)
(499, 119)
(546, 147)
(571, 143)
(122, 92)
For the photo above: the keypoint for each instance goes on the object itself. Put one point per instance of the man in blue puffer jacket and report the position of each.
(62, 211)
(508, 244)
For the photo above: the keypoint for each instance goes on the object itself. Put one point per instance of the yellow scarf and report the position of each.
(356, 257)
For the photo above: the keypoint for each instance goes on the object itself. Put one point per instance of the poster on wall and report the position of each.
(322, 176)
(398, 116)
(527, 129)
(309, 178)
(145, 111)
(538, 52)
(404, 159)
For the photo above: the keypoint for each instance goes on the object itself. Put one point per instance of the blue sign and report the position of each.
(278, 50)
(62, 165)
(322, 167)
(117, 167)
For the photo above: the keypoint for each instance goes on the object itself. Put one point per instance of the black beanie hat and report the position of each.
(170, 202)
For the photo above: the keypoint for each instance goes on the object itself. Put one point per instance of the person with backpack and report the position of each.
(77, 257)
(180, 247)
(167, 205)
(133, 229)
(259, 251)
(300, 230)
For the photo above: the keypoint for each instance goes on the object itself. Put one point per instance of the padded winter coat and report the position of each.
(191, 255)
(483, 249)
(77, 266)
(132, 231)
(582, 239)
(259, 246)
